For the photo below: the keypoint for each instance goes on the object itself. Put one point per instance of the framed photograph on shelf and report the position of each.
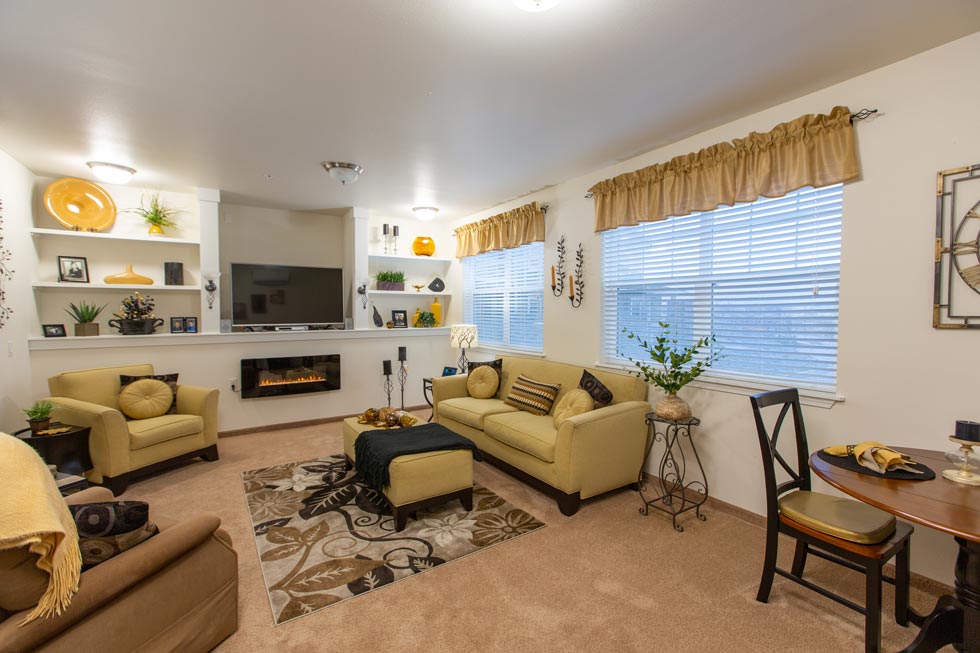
(449, 371)
(190, 325)
(73, 269)
(176, 325)
(53, 330)
(399, 319)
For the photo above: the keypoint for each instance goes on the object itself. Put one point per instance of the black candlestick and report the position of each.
(402, 377)
(403, 354)
(388, 388)
(386, 367)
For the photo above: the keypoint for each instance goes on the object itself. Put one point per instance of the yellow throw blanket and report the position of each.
(34, 514)
(875, 456)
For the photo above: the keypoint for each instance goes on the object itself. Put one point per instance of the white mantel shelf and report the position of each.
(38, 232)
(210, 339)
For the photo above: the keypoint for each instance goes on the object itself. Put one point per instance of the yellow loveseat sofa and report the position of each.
(123, 449)
(587, 454)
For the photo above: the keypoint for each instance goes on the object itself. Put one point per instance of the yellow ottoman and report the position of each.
(420, 480)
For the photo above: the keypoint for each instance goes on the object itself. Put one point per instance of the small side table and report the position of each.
(68, 450)
(674, 496)
(427, 394)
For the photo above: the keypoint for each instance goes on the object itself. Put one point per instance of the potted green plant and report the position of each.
(136, 316)
(675, 366)
(84, 315)
(157, 214)
(390, 280)
(39, 415)
(425, 320)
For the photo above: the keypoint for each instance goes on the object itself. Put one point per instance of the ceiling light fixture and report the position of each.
(345, 173)
(111, 173)
(536, 6)
(425, 212)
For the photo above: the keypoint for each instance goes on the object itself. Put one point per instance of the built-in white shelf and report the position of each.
(43, 233)
(404, 293)
(397, 258)
(81, 287)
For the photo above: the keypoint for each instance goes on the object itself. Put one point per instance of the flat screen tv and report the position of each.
(286, 295)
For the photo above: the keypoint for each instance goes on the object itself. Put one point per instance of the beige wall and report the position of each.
(904, 382)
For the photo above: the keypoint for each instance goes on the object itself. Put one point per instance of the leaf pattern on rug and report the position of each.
(324, 537)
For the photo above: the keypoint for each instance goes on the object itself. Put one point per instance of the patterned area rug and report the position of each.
(322, 535)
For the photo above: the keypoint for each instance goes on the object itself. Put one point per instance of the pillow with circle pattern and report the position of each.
(169, 379)
(146, 398)
(575, 402)
(482, 382)
(108, 528)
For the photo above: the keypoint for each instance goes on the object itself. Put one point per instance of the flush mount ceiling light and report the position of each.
(345, 173)
(111, 173)
(425, 212)
(536, 5)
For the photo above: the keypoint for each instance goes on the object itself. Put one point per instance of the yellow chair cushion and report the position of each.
(575, 402)
(145, 398)
(471, 411)
(532, 434)
(844, 518)
(148, 432)
(482, 382)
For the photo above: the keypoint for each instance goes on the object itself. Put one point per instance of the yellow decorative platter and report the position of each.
(79, 204)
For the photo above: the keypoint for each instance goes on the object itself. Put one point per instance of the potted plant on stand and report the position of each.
(137, 316)
(673, 369)
(84, 315)
(157, 214)
(39, 415)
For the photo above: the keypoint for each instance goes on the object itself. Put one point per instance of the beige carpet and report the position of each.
(607, 579)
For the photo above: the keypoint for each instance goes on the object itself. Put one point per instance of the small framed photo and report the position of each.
(176, 325)
(73, 269)
(190, 325)
(399, 319)
(449, 371)
(54, 330)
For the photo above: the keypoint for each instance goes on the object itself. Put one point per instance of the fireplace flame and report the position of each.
(299, 379)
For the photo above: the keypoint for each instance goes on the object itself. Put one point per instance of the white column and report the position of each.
(208, 200)
(356, 263)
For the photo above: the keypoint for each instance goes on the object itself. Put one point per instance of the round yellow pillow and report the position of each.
(145, 398)
(574, 403)
(482, 382)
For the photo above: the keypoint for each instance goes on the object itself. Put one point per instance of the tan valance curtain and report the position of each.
(813, 150)
(506, 230)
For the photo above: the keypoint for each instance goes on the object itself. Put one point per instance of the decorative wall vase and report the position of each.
(86, 328)
(136, 327)
(672, 407)
(423, 246)
(129, 278)
(80, 205)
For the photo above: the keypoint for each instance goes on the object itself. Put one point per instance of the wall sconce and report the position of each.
(210, 287)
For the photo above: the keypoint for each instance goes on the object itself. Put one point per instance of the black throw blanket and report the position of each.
(374, 450)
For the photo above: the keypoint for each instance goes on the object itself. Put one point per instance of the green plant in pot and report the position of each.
(391, 280)
(85, 315)
(157, 214)
(39, 415)
(425, 320)
(673, 368)
(136, 316)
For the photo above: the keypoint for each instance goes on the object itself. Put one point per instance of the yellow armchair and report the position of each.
(122, 449)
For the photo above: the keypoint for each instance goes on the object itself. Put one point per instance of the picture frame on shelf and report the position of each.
(399, 319)
(190, 325)
(54, 330)
(176, 325)
(449, 371)
(73, 269)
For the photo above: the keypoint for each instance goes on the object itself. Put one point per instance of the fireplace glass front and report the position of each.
(292, 375)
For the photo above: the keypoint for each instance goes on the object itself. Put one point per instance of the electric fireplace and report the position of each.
(291, 375)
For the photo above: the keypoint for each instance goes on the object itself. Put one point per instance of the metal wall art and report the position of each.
(576, 288)
(6, 274)
(956, 295)
(575, 282)
(558, 282)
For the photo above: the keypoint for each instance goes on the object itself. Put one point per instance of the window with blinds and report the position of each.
(764, 277)
(503, 295)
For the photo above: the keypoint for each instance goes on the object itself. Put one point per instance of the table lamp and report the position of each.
(462, 336)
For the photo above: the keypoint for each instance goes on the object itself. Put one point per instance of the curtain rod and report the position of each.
(863, 114)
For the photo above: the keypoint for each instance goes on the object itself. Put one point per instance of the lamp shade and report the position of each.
(462, 336)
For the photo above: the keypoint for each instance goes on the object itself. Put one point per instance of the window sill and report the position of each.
(509, 352)
(808, 396)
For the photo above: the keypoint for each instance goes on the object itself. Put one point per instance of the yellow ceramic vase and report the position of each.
(436, 310)
(129, 278)
(155, 230)
(423, 246)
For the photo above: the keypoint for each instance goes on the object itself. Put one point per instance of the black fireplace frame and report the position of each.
(251, 368)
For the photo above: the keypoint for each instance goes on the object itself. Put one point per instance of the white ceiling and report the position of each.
(459, 104)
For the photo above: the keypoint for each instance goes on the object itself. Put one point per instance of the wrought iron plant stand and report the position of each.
(674, 495)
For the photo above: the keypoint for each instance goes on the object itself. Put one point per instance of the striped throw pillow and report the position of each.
(533, 396)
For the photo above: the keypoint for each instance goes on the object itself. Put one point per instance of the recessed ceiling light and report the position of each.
(111, 173)
(425, 212)
(345, 173)
(536, 5)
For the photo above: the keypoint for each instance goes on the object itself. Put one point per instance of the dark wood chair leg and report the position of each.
(902, 575)
(799, 558)
(872, 607)
(401, 517)
(467, 500)
(569, 504)
(768, 566)
(117, 484)
(210, 454)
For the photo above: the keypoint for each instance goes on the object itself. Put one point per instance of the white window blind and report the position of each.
(503, 295)
(764, 277)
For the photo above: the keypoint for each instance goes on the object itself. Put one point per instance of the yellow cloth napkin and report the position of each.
(34, 514)
(875, 456)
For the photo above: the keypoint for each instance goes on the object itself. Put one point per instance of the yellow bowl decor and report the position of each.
(80, 205)
(423, 246)
(129, 278)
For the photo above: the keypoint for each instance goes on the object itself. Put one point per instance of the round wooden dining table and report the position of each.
(943, 505)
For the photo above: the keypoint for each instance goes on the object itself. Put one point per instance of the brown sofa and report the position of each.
(177, 591)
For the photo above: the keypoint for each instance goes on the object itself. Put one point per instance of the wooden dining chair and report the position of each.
(843, 531)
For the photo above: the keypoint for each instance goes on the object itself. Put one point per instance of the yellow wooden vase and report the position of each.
(129, 278)
(423, 246)
(436, 310)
